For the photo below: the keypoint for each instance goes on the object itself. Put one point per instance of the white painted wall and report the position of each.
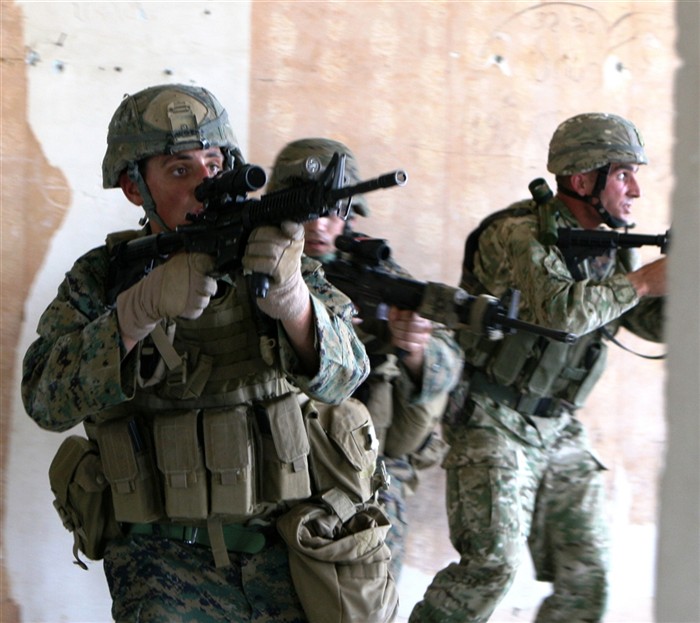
(106, 49)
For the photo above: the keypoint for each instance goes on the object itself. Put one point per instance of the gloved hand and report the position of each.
(276, 252)
(180, 287)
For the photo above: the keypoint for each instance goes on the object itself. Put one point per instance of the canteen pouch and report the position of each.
(340, 566)
(180, 460)
(130, 471)
(285, 449)
(229, 450)
(82, 497)
(343, 448)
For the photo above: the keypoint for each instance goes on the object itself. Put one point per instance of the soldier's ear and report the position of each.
(580, 184)
(130, 189)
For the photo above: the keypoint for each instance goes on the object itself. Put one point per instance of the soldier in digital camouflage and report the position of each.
(187, 384)
(407, 394)
(520, 469)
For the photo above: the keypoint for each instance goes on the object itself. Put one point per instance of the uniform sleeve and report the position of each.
(510, 256)
(647, 319)
(417, 410)
(74, 369)
(343, 359)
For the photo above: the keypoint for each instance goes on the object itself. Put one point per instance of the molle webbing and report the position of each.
(222, 363)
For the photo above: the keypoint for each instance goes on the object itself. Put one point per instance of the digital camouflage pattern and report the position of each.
(162, 120)
(178, 583)
(77, 369)
(74, 369)
(515, 479)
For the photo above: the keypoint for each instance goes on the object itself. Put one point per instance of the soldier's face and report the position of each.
(621, 190)
(320, 235)
(171, 180)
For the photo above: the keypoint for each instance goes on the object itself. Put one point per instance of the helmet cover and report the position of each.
(590, 141)
(166, 119)
(292, 165)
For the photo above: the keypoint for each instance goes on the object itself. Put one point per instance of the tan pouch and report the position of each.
(180, 460)
(285, 449)
(83, 499)
(128, 465)
(229, 451)
(340, 566)
(343, 448)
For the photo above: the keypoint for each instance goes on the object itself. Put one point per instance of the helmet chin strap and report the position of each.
(595, 202)
(149, 205)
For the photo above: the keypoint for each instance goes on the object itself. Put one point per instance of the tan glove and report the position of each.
(180, 287)
(276, 252)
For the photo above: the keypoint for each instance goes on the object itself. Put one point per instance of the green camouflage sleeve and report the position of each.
(74, 369)
(510, 256)
(647, 319)
(343, 359)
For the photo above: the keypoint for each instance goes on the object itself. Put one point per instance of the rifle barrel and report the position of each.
(395, 178)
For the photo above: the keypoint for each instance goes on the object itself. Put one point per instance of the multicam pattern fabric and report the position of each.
(591, 140)
(514, 478)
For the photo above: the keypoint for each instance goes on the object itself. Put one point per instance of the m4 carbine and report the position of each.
(358, 273)
(222, 229)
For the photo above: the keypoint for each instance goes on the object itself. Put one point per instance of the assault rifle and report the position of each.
(358, 273)
(223, 227)
(580, 243)
(577, 244)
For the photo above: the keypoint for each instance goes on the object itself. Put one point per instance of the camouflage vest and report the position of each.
(529, 373)
(223, 427)
(214, 428)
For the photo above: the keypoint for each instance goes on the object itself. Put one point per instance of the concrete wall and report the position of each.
(463, 95)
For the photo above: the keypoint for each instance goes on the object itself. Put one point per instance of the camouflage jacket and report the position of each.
(531, 375)
(511, 256)
(78, 367)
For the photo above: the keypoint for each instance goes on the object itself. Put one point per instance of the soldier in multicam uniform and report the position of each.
(405, 395)
(197, 420)
(520, 467)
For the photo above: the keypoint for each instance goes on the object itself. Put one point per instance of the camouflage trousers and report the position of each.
(393, 502)
(513, 480)
(158, 580)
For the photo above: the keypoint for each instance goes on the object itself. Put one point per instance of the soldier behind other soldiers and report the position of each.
(405, 395)
(196, 417)
(520, 468)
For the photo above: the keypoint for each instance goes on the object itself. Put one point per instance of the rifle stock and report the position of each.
(359, 275)
(223, 227)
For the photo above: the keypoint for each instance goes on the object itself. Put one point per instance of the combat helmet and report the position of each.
(165, 119)
(591, 142)
(292, 165)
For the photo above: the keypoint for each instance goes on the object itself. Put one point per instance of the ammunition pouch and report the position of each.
(231, 462)
(533, 375)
